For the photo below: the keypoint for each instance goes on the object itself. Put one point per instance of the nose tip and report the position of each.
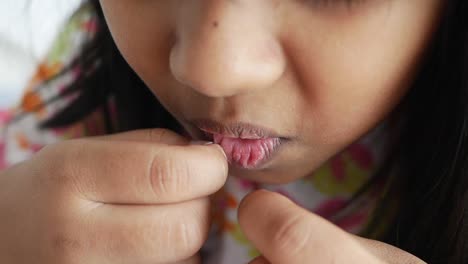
(226, 70)
(225, 58)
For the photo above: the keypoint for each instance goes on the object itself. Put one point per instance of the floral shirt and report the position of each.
(326, 192)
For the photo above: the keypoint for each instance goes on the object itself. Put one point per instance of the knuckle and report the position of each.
(192, 231)
(291, 234)
(168, 176)
(65, 247)
(64, 244)
(172, 238)
(189, 235)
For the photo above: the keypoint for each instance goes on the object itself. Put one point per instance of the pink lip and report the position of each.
(247, 153)
(246, 146)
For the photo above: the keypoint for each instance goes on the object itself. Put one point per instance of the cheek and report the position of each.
(143, 34)
(359, 68)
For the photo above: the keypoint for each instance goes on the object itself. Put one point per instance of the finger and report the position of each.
(192, 260)
(259, 260)
(285, 233)
(156, 135)
(388, 253)
(135, 172)
(148, 234)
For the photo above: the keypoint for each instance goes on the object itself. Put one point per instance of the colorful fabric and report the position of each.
(326, 192)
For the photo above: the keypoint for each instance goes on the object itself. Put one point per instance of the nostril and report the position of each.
(213, 63)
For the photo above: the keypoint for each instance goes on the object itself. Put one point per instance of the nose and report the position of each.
(224, 48)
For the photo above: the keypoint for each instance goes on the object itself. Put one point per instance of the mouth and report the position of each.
(246, 146)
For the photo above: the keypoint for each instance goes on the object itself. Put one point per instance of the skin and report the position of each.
(112, 199)
(322, 75)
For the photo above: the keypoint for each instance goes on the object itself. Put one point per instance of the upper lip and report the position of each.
(235, 129)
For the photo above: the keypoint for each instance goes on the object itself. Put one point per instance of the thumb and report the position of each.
(388, 253)
(286, 233)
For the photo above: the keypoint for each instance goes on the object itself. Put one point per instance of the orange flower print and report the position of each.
(22, 141)
(45, 71)
(25, 144)
(222, 201)
(31, 102)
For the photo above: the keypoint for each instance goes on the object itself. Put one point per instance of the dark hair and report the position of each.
(431, 153)
(429, 130)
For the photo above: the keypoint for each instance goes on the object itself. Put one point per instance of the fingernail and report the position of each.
(207, 143)
(201, 143)
(222, 150)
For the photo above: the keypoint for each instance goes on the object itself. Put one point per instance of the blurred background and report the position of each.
(27, 28)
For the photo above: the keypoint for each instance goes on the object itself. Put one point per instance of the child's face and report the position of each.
(320, 74)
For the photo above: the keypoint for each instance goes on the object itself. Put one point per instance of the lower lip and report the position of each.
(247, 153)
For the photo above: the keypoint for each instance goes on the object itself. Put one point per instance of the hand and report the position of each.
(285, 233)
(137, 197)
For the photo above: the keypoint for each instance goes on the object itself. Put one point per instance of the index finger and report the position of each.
(134, 172)
(154, 135)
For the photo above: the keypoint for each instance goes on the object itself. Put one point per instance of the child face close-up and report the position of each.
(281, 85)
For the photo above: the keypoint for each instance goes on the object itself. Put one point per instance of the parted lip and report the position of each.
(234, 129)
